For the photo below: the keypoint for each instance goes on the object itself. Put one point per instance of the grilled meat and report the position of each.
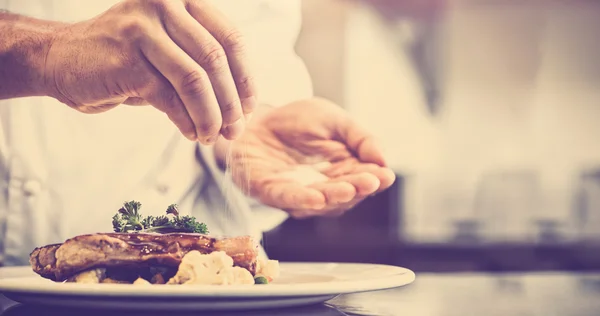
(58, 262)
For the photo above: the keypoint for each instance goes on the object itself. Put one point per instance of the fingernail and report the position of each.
(211, 140)
(234, 130)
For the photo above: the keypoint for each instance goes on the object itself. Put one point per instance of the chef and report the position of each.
(200, 103)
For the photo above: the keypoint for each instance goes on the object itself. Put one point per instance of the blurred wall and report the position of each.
(321, 44)
(513, 144)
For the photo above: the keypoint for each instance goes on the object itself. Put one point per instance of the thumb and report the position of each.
(360, 142)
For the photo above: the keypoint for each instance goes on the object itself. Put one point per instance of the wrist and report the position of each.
(23, 54)
(47, 70)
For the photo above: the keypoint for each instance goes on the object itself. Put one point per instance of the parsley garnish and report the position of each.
(129, 219)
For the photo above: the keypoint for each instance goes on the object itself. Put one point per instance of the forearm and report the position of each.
(24, 44)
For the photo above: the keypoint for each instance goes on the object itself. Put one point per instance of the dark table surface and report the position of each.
(544, 293)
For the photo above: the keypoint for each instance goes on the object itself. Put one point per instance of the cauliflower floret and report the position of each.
(215, 268)
(236, 275)
(268, 269)
(90, 276)
(141, 281)
(214, 262)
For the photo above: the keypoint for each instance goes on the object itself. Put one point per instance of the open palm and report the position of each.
(310, 159)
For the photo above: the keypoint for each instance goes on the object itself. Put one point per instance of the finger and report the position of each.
(335, 192)
(290, 195)
(360, 142)
(99, 108)
(191, 83)
(163, 96)
(385, 176)
(364, 183)
(231, 40)
(135, 101)
(198, 43)
(330, 211)
(341, 168)
(344, 208)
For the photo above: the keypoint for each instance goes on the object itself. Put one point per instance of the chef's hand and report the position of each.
(308, 158)
(181, 56)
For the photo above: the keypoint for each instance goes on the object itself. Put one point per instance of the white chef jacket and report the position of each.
(64, 173)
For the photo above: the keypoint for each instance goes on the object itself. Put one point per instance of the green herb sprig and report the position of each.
(129, 219)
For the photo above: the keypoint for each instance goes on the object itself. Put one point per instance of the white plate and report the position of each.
(299, 284)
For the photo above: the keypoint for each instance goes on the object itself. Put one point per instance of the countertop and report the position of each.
(449, 294)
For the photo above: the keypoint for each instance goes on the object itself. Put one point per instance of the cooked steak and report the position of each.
(58, 262)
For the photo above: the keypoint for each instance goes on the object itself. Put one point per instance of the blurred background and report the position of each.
(489, 114)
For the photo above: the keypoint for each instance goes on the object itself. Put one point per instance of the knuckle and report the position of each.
(246, 84)
(247, 92)
(170, 100)
(232, 111)
(215, 60)
(158, 5)
(234, 41)
(193, 83)
(133, 27)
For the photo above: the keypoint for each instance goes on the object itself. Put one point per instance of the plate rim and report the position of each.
(402, 276)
